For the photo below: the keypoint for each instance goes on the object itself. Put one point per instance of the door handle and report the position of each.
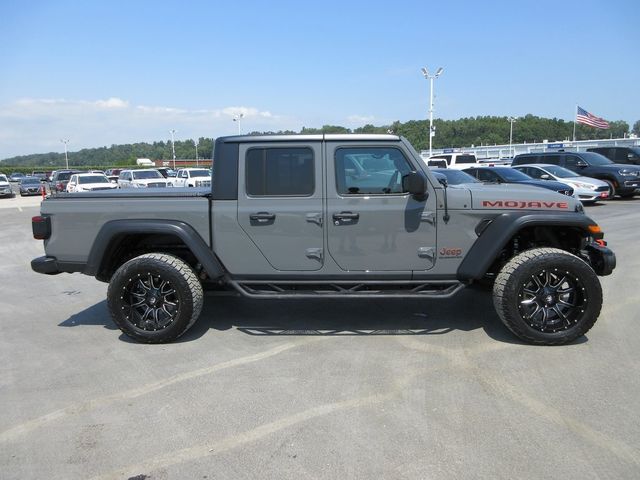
(262, 217)
(347, 216)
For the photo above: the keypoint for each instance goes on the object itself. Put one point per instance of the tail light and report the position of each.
(41, 227)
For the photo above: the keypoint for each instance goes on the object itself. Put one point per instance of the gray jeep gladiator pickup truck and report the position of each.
(335, 216)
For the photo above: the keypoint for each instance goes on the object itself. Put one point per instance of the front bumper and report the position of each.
(601, 258)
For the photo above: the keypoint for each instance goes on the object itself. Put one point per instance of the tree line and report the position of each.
(464, 132)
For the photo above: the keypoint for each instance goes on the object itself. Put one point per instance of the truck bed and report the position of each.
(76, 218)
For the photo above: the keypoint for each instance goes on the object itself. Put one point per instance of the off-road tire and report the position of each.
(167, 286)
(557, 323)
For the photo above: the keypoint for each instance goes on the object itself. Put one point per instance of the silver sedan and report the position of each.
(587, 189)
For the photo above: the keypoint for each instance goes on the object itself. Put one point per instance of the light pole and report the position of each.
(66, 158)
(237, 118)
(511, 121)
(173, 146)
(432, 132)
(196, 144)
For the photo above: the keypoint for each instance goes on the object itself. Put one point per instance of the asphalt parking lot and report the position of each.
(312, 389)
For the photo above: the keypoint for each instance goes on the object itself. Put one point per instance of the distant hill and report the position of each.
(449, 133)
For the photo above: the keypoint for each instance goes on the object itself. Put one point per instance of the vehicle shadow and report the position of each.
(95, 315)
(471, 309)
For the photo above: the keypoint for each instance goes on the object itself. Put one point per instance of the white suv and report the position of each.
(142, 178)
(88, 182)
(192, 177)
(459, 161)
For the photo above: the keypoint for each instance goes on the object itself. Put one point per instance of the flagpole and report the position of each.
(575, 114)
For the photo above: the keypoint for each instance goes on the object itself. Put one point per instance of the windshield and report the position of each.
(3, 178)
(147, 174)
(595, 158)
(29, 181)
(200, 173)
(466, 159)
(560, 171)
(456, 177)
(64, 176)
(512, 175)
(93, 179)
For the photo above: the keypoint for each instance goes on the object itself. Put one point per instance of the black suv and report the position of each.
(626, 155)
(623, 180)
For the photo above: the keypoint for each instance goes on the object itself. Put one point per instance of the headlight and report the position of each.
(628, 173)
(140, 185)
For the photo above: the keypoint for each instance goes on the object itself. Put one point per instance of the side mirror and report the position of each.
(581, 164)
(416, 185)
(545, 176)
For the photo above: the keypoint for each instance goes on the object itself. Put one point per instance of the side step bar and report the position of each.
(366, 289)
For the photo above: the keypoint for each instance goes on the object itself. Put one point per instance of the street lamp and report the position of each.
(237, 118)
(173, 146)
(432, 131)
(66, 158)
(511, 121)
(196, 144)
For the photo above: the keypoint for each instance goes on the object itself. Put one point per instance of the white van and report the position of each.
(459, 161)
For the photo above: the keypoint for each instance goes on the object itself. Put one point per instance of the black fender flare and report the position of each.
(494, 237)
(118, 229)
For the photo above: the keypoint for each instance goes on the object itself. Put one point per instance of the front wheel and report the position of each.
(547, 296)
(155, 298)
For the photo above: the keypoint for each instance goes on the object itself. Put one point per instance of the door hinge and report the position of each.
(314, 253)
(428, 217)
(427, 252)
(314, 217)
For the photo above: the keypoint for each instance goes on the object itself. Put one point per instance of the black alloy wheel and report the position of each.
(155, 297)
(552, 300)
(547, 296)
(150, 302)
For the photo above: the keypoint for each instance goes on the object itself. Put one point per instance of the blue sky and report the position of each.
(102, 73)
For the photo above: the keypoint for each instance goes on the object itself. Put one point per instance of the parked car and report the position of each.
(5, 187)
(511, 175)
(88, 182)
(455, 160)
(30, 186)
(192, 177)
(16, 176)
(623, 180)
(455, 177)
(39, 174)
(587, 189)
(622, 155)
(166, 172)
(142, 178)
(60, 179)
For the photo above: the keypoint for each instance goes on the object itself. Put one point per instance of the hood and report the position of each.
(549, 184)
(615, 167)
(147, 181)
(512, 196)
(588, 180)
(101, 186)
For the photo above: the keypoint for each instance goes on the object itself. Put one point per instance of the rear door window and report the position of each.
(280, 172)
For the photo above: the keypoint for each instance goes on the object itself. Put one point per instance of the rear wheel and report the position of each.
(547, 296)
(155, 298)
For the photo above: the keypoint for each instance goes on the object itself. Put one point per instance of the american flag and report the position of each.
(590, 119)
